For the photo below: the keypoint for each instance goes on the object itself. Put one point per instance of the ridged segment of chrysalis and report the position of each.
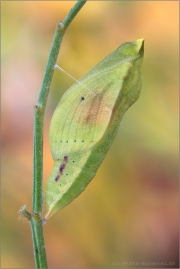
(85, 122)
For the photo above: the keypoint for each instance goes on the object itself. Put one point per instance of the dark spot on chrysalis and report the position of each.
(82, 140)
(66, 174)
(37, 251)
(73, 161)
(82, 98)
(66, 141)
(62, 166)
(74, 140)
(61, 141)
(66, 158)
(57, 159)
(57, 178)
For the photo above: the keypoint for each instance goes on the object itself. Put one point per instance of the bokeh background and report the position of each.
(128, 215)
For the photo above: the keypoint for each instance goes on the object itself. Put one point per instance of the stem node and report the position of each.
(60, 25)
(37, 107)
(36, 216)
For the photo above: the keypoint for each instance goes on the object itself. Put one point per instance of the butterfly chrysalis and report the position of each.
(86, 121)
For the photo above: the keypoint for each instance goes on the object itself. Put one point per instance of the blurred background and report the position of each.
(128, 215)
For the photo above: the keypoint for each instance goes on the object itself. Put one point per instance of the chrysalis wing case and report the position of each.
(86, 121)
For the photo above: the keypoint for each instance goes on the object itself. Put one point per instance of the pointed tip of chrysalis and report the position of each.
(134, 48)
(140, 45)
(140, 40)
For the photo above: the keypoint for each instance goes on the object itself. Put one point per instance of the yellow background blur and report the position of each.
(129, 212)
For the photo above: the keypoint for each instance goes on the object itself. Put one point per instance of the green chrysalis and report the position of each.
(85, 122)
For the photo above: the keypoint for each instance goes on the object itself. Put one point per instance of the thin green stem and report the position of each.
(38, 241)
(39, 109)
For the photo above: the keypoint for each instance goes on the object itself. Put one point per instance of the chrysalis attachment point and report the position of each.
(62, 70)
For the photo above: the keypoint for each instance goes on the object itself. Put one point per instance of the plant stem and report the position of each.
(39, 109)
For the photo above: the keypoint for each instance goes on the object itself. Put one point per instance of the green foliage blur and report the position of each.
(128, 215)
